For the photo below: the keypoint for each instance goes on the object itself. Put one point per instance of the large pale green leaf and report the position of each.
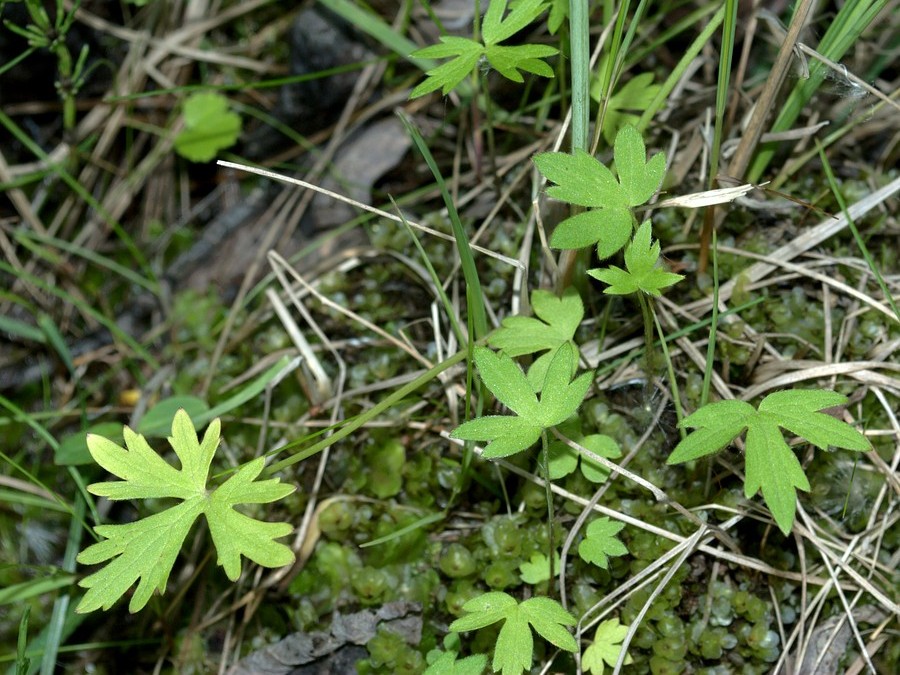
(144, 551)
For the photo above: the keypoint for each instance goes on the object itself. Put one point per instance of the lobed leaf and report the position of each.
(772, 467)
(496, 29)
(557, 320)
(601, 543)
(639, 178)
(797, 411)
(146, 549)
(580, 179)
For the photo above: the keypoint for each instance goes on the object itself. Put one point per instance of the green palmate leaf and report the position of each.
(209, 126)
(510, 60)
(537, 569)
(643, 273)
(515, 644)
(560, 398)
(771, 466)
(580, 179)
(496, 29)
(606, 647)
(507, 60)
(464, 53)
(556, 323)
(564, 459)
(146, 549)
(600, 542)
(448, 663)
(583, 181)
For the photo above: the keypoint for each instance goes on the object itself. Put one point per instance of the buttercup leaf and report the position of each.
(771, 466)
(580, 179)
(606, 647)
(556, 321)
(600, 542)
(643, 274)
(515, 645)
(146, 549)
(560, 398)
(507, 60)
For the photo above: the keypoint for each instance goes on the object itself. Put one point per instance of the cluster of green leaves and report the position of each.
(146, 549)
(770, 465)
(465, 53)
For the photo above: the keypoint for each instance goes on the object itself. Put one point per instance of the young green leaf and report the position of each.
(643, 274)
(448, 663)
(582, 180)
(601, 543)
(771, 466)
(209, 126)
(560, 398)
(605, 648)
(508, 60)
(537, 569)
(564, 459)
(556, 323)
(146, 549)
(515, 644)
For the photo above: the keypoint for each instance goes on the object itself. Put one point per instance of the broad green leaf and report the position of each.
(771, 466)
(448, 663)
(506, 381)
(606, 647)
(484, 610)
(537, 569)
(580, 179)
(146, 549)
(464, 53)
(609, 228)
(507, 435)
(599, 444)
(209, 126)
(600, 542)
(797, 411)
(496, 29)
(643, 274)
(556, 322)
(640, 179)
(508, 61)
(548, 617)
(563, 459)
(560, 398)
(515, 645)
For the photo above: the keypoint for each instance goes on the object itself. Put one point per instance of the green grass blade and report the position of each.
(689, 55)
(838, 195)
(474, 296)
(843, 32)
